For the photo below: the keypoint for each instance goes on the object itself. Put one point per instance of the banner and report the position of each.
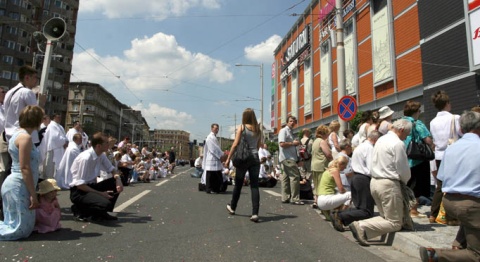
(284, 104)
(382, 64)
(349, 65)
(307, 87)
(294, 95)
(325, 76)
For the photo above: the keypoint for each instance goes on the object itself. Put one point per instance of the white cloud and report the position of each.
(159, 9)
(263, 52)
(159, 117)
(152, 63)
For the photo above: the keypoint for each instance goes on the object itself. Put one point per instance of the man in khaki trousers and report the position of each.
(288, 158)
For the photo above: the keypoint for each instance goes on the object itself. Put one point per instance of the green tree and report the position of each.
(272, 146)
(356, 121)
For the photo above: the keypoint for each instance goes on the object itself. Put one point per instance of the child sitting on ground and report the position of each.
(47, 215)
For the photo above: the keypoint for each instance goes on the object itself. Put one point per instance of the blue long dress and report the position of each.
(19, 220)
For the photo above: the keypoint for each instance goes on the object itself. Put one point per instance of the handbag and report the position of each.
(453, 137)
(419, 150)
(242, 156)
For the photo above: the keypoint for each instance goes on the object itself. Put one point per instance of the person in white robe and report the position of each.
(72, 131)
(63, 176)
(52, 147)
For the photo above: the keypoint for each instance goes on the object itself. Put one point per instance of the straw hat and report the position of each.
(385, 112)
(47, 186)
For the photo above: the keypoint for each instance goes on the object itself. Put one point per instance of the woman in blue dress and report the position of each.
(18, 190)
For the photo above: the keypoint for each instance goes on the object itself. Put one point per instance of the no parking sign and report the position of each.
(347, 108)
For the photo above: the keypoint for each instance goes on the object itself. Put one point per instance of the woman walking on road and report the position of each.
(253, 136)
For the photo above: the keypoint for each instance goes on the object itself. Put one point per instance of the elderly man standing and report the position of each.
(460, 173)
(53, 147)
(288, 158)
(212, 164)
(389, 168)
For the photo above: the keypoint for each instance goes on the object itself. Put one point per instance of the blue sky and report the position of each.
(175, 59)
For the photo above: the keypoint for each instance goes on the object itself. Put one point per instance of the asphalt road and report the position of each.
(170, 220)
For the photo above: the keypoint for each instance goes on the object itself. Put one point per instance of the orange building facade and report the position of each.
(383, 62)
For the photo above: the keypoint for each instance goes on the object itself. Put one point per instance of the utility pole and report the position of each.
(340, 58)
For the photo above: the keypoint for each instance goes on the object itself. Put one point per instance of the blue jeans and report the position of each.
(253, 172)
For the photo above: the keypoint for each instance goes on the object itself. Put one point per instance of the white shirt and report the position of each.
(13, 107)
(126, 158)
(440, 130)
(389, 159)
(71, 132)
(86, 167)
(198, 162)
(2, 118)
(262, 152)
(212, 154)
(362, 158)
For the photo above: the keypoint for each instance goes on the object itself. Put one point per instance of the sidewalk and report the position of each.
(408, 242)
(425, 234)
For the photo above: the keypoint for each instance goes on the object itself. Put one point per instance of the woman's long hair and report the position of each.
(249, 118)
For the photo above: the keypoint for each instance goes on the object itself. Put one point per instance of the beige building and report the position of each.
(179, 139)
(98, 110)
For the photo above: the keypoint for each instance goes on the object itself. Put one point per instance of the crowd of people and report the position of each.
(38, 158)
(352, 172)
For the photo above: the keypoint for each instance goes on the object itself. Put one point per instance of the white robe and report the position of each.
(63, 176)
(53, 142)
(71, 132)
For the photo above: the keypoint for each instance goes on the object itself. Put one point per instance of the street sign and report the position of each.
(347, 108)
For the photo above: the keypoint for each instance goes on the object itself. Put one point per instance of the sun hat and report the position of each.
(385, 112)
(47, 186)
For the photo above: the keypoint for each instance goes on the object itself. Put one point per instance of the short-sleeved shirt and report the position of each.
(86, 167)
(13, 105)
(290, 152)
(421, 132)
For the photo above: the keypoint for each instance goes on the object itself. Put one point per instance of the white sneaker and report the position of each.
(254, 218)
(230, 210)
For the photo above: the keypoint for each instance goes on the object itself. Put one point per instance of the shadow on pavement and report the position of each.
(62, 234)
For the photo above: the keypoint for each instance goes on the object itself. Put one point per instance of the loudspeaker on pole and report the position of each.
(54, 29)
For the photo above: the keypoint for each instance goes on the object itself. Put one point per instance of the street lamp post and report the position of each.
(133, 129)
(261, 93)
(120, 122)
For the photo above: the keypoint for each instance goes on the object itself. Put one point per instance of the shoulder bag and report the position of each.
(242, 156)
(453, 137)
(419, 150)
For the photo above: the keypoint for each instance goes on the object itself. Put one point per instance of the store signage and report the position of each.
(298, 44)
(475, 36)
(325, 31)
(472, 4)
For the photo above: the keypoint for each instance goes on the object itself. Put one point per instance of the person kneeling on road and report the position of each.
(91, 199)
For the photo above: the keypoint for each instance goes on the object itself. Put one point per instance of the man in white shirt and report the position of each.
(89, 198)
(16, 99)
(52, 147)
(389, 168)
(360, 185)
(212, 165)
(288, 159)
(72, 131)
(63, 175)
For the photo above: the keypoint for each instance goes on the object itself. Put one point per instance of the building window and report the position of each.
(14, 16)
(6, 74)
(11, 44)
(15, 76)
(12, 30)
(7, 59)
(17, 2)
(46, 4)
(58, 3)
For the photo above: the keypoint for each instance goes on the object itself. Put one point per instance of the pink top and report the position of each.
(47, 216)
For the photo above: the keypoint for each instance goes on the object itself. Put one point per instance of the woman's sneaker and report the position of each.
(230, 210)
(254, 218)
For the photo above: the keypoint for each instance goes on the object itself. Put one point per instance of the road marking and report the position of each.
(172, 177)
(121, 207)
(272, 193)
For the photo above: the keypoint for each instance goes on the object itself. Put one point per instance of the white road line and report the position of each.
(124, 205)
(132, 200)
(272, 193)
